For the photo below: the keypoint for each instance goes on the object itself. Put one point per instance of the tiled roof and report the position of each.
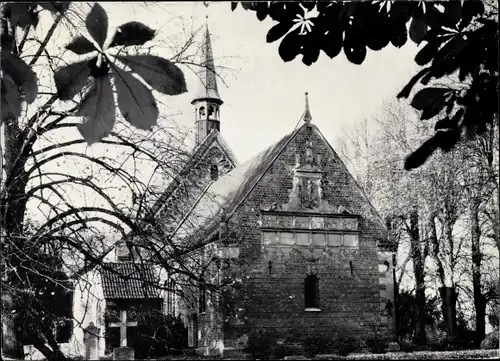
(226, 193)
(128, 280)
(196, 156)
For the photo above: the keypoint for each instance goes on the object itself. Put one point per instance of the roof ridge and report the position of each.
(191, 209)
(278, 153)
(194, 157)
(377, 214)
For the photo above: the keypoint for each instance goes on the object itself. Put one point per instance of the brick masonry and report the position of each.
(353, 282)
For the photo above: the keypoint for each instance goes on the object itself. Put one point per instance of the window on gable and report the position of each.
(202, 297)
(214, 172)
(122, 252)
(311, 292)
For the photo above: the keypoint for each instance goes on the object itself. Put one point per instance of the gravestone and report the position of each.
(123, 352)
(91, 342)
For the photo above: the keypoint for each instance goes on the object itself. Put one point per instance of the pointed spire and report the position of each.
(307, 112)
(207, 74)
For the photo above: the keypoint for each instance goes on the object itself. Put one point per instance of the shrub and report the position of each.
(490, 341)
(343, 345)
(317, 345)
(285, 349)
(158, 335)
(377, 344)
(429, 355)
(260, 345)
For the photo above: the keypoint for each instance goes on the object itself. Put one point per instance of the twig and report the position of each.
(46, 39)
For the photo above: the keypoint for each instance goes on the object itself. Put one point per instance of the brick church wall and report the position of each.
(350, 291)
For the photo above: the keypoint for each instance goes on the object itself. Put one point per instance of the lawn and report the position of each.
(417, 355)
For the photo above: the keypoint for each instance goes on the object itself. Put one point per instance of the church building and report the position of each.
(286, 244)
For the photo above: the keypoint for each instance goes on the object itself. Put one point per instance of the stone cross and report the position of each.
(91, 341)
(123, 324)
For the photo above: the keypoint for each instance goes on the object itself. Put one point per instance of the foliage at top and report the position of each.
(460, 37)
(93, 76)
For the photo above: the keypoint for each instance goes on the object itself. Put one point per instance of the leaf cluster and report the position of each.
(97, 76)
(460, 37)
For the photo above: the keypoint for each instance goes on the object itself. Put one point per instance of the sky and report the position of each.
(264, 96)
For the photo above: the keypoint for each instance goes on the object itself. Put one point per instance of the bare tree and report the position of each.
(432, 210)
(56, 195)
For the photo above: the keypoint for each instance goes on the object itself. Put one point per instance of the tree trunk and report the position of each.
(449, 309)
(448, 293)
(419, 271)
(479, 300)
(435, 250)
(12, 210)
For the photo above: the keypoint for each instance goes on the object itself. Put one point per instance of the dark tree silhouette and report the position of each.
(460, 37)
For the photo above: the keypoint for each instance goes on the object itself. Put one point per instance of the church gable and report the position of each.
(307, 187)
(308, 237)
(210, 160)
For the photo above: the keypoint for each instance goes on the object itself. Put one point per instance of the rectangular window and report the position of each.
(335, 239)
(171, 288)
(202, 298)
(286, 238)
(303, 239)
(270, 238)
(350, 240)
(311, 292)
(319, 239)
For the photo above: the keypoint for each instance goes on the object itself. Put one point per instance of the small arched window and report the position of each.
(311, 292)
(214, 172)
(210, 111)
(202, 112)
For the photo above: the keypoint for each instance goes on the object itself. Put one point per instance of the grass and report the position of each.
(417, 355)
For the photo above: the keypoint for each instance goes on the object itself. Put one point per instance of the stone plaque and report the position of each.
(350, 224)
(317, 222)
(269, 221)
(333, 223)
(302, 222)
(285, 221)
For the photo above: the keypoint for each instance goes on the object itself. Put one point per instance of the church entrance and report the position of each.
(193, 330)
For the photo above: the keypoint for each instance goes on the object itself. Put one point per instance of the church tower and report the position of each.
(207, 101)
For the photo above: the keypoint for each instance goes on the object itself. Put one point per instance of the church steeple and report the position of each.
(207, 101)
(307, 113)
